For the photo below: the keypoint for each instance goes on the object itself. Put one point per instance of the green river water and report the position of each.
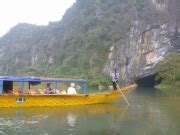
(151, 112)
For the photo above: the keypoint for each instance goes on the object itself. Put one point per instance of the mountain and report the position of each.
(93, 37)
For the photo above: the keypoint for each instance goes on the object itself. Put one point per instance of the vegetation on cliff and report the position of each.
(75, 47)
(168, 70)
(78, 45)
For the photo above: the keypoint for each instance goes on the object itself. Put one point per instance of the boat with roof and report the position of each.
(27, 91)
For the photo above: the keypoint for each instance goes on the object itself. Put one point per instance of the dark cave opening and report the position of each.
(148, 81)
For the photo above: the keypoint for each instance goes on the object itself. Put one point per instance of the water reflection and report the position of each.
(2, 133)
(49, 120)
(155, 111)
(71, 121)
(150, 112)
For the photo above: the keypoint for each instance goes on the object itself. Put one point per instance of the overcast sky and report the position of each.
(39, 12)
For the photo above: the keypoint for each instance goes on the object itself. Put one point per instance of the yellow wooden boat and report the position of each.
(51, 100)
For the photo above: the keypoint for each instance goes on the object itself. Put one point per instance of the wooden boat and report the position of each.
(23, 99)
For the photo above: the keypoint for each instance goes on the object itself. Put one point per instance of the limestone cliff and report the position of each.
(152, 34)
(93, 37)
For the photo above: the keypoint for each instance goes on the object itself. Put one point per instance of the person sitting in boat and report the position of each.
(32, 92)
(63, 92)
(48, 89)
(8, 92)
(16, 92)
(56, 91)
(71, 89)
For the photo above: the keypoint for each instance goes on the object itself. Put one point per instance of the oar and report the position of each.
(119, 89)
(122, 93)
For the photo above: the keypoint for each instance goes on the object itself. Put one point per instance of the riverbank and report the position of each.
(169, 85)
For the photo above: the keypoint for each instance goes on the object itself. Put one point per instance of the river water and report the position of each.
(151, 112)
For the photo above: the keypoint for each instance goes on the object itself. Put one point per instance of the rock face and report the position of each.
(149, 39)
(95, 36)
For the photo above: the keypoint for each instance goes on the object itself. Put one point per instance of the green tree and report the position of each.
(168, 69)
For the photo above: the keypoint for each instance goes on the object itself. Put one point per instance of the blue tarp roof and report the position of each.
(39, 79)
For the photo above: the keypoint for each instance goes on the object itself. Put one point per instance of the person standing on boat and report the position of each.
(71, 89)
(48, 89)
(115, 78)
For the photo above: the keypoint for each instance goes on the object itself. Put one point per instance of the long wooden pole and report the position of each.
(122, 93)
(119, 89)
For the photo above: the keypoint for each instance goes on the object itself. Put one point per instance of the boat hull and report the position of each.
(62, 99)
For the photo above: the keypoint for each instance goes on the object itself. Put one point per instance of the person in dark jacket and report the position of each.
(48, 89)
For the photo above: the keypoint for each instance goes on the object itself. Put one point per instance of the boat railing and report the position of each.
(7, 82)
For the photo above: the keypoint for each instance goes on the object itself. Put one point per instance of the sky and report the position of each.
(39, 12)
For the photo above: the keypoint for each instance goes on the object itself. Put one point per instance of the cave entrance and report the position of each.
(148, 81)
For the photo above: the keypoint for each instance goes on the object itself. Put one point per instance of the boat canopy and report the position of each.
(6, 82)
(39, 79)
